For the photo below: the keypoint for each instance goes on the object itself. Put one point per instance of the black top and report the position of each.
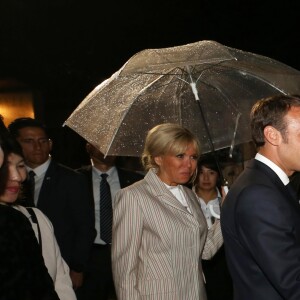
(23, 274)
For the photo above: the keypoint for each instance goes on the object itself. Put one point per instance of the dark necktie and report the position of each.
(32, 185)
(105, 210)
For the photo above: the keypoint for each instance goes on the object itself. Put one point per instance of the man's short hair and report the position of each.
(20, 123)
(271, 111)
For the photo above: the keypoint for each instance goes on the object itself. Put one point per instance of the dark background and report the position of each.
(62, 49)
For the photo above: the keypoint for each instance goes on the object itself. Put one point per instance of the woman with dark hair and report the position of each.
(23, 274)
(207, 187)
(3, 136)
(16, 174)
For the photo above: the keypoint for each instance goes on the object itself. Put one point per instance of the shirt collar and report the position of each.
(216, 199)
(109, 172)
(281, 174)
(40, 169)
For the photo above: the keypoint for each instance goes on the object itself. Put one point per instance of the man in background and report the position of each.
(61, 193)
(98, 281)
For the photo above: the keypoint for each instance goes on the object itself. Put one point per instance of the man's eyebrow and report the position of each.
(31, 138)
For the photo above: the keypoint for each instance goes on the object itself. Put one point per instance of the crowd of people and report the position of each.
(102, 232)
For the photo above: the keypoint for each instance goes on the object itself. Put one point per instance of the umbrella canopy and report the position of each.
(205, 86)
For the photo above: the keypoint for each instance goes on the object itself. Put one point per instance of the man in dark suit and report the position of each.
(260, 217)
(295, 183)
(61, 193)
(98, 282)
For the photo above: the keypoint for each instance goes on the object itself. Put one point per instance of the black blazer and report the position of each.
(65, 199)
(126, 177)
(295, 183)
(260, 222)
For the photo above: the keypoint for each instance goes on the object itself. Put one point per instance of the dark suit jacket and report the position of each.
(260, 222)
(295, 183)
(126, 178)
(65, 200)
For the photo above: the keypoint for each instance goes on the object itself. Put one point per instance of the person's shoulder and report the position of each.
(39, 213)
(135, 187)
(62, 166)
(84, 169)
(132, 194)
(8, 213)
(65, 170)
(130, 174)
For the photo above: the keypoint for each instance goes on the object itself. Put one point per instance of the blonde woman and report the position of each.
(159, 231)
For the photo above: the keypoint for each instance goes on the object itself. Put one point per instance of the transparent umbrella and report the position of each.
(205, 86)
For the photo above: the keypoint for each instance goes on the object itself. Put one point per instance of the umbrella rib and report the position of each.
(249, 73)
(210, 65)
(211, 61)
(265, 81)
(127, 110)
(234, 135)
(224, 97)
(195, 92)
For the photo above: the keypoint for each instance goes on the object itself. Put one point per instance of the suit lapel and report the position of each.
(45, 191)
(123, 179)
(275, 179)
(159, 190)
(126, 178)
(193, 203)
(88, 171)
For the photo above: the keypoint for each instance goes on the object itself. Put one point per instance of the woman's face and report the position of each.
(177, 169)
(207, 178)
(16, 175)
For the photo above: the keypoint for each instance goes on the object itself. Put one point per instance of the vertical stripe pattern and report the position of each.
(157, 244)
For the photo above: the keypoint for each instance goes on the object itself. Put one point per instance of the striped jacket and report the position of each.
(158, 245)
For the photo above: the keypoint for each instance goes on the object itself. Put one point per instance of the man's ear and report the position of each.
(272, 135)
(50, 144)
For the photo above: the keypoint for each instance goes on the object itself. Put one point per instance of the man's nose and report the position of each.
(37, 144)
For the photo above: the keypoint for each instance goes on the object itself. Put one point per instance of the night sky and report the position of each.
(70, 46)
(64, 48)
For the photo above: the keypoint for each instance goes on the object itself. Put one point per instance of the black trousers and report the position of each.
(218, 280)
(98, 281)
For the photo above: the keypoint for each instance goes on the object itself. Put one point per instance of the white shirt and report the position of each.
(178, 193)
(215, 203)
(40, 172)
(114, 183)
(57, 267)
(281, 174)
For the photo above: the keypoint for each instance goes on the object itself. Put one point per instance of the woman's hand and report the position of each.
(224, 191)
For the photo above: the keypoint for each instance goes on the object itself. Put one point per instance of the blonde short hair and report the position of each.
(167, 138)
